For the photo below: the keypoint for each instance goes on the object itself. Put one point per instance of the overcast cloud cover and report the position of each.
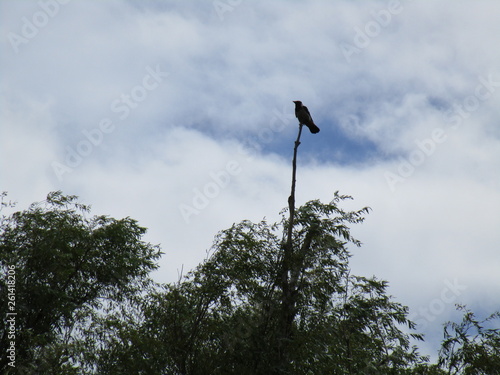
(179, 114)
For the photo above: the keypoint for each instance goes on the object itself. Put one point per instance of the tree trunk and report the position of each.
(288, 297)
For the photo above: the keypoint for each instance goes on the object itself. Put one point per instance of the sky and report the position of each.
(179, 114)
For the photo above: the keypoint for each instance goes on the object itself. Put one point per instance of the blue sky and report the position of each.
(139, 107)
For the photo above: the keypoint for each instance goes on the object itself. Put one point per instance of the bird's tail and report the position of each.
(313, 128)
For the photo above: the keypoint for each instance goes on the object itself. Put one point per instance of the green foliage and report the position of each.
(224, 317)
(68, 267)
(86, 304)
(469, 348)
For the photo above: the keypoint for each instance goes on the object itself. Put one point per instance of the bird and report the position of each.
(302, 113)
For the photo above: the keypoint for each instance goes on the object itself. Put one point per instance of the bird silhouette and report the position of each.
(302, 113)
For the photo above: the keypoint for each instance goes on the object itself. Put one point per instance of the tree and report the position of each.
(470, 347)
(272, 299)
(68, 270)
(224, 317)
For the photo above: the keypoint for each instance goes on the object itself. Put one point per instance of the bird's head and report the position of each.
(297, 102)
